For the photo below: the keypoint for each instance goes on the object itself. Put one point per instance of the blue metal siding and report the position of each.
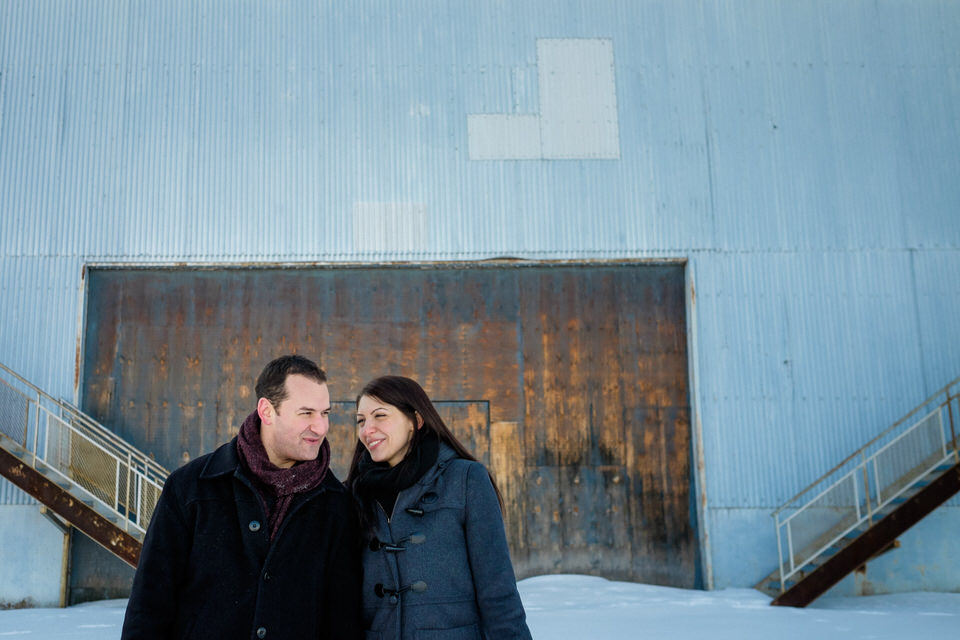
(802, 156)
(159, 126)
(809, 362)
(39, 321)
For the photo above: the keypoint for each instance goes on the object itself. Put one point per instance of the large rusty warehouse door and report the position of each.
(569, 380)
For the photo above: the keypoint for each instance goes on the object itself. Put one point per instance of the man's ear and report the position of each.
(419, 419)
(265, 410)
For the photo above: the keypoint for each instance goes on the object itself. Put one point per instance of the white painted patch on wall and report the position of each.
(504, 137)
(578, 117)
(419, 110)
(389, 226)
(578, 99)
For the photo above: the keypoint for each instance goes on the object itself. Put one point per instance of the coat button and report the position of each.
(255, 526)
(266, 577)
(262, 632)
(394, 599)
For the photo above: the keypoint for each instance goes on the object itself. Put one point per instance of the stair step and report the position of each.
(775, 584)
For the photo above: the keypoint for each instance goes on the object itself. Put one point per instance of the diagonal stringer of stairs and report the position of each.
(856, 511)
(76, 467)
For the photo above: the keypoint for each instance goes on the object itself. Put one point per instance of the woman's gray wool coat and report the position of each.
(439, 567)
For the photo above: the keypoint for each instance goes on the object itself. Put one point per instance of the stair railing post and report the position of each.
(866, 487)
(953, 433)
(876, 480)
(116, 484)
(790, 546)
(36, 431)
(776, 517)
(130, 478)
(26, 423)
(141, 479)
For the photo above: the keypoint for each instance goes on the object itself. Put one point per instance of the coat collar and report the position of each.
(226, 461)
(222, 461)
(444, 455)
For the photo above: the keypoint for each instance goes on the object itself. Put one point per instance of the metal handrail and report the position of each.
(112, 441)
(945, 390)
(135, 479)
(944, 450)
(96, 430)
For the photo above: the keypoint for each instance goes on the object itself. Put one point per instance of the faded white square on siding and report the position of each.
(504, 137)
(389, 226)
(578, 98)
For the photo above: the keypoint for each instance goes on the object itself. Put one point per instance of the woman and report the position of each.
(436, 563)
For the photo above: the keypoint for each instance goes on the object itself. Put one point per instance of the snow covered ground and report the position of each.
(587, 608)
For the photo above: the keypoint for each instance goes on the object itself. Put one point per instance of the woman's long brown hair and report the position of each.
(409, 397)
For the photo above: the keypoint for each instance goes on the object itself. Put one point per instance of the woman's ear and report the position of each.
(419, 419)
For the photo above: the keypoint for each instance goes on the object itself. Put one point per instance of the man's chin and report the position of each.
(310, 455)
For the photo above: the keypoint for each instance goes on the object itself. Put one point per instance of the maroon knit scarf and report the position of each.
(283, 484)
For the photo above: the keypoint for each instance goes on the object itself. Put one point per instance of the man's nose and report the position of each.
(320, 426)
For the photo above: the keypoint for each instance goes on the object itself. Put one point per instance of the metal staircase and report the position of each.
(76, 467)
(855, 512)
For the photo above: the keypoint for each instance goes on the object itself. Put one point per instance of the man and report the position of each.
(257, 539)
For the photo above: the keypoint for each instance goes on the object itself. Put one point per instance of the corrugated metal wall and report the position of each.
(157, 126)
(801, 155)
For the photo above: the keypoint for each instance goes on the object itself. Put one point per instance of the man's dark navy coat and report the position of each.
(208, 569)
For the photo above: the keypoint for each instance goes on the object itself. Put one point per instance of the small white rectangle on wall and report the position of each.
(389, 226)
(578, 98)
(503, 137)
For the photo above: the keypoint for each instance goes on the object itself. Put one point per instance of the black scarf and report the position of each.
(271, 480)
(379, 482)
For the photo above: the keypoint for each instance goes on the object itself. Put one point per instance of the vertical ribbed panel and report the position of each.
(12, 494)
(812, 355)
(156, 130)
(39, 320)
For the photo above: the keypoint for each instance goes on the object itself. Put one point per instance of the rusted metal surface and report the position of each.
(570, 381)
(71, 509)
(876, 540)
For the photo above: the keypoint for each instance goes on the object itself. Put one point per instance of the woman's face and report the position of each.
(384, 430)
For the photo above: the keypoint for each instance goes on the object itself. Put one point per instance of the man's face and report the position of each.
(294, 431)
